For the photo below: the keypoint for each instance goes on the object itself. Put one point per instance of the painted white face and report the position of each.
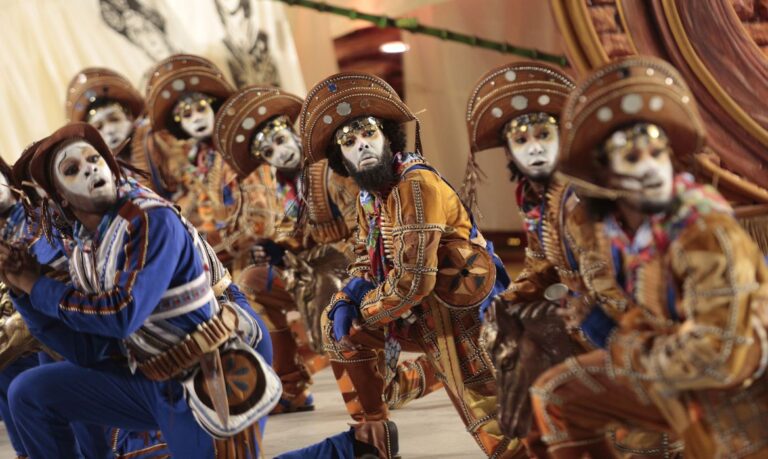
(83, 178)
(534, 146)
(113, 123)
(281, 149)
(362, 143)
(6, 196)
(196, 118)
(639, 159)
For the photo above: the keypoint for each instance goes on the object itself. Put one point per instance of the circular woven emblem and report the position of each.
(244, 379)
(465, 274)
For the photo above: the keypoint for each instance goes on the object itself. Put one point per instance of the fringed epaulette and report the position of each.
(245, 444)
(324, 226)
(552, 224)
(754, 219)
(473, 176)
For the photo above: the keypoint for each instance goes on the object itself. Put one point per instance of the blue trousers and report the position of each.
(45, 400)
(339, 446)
(93, 440)
(6, 376)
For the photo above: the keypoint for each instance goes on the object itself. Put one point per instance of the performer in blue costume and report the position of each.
(146, 295)
(94, 441)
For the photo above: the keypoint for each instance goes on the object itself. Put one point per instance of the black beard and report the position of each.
(656, 207)
(539, 178)
(290, 172)
(381, 177)
(516, 175)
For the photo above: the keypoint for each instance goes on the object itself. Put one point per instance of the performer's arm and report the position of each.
(83, 349)
(344, 192)
(418, 207)
(537, 274)
(156, 245)
(718, 342)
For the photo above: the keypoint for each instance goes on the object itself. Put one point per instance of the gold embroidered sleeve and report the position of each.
(596, 268)
(417, 208)
(344, 192)
(361, 267)
(722, 279)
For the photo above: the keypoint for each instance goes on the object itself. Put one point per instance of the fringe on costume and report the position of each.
(472, 178)
(245, 445)
(754, 219)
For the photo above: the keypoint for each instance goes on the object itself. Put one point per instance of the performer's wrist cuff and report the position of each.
(597, 326)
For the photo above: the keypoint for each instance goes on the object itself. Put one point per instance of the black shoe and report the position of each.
(376, 440)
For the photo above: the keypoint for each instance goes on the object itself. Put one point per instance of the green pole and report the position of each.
(412, 25)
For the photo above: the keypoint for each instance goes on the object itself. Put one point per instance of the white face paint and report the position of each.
(281, 149)
(641, 164)
(6, 196)
(113, 123)
(196, 118)
(83, 178)
(362, 143)
(534, 147)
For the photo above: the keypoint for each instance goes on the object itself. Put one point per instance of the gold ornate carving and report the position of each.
(705, 76)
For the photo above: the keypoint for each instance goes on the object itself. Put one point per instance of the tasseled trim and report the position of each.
(245, 445)
(757, 227)
(135, 170)
(472, 178)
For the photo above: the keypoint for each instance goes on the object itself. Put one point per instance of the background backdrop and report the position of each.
(48, 41)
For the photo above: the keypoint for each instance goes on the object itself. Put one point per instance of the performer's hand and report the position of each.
(4, 280)
(344, 316)
(575, 309)
(267, 252)
(10, 258)
(20, 269)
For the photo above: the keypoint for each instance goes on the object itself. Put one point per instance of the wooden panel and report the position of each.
(720, 48)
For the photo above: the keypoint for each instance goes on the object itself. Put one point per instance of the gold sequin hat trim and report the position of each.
(94, 83)
(341, 98)
(509, 91)
(240, 117)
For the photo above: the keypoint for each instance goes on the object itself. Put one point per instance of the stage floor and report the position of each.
(429, 428)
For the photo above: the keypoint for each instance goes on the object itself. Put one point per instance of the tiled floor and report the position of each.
(429, 428)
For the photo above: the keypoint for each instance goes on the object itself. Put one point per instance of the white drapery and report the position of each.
(46, 42)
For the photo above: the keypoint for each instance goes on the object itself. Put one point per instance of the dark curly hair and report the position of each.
(102, 102)
(392, 130)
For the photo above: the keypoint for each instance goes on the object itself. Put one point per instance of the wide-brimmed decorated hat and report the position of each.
(621, 93)
(7, 171)
(40, 165)
(20, 173)
(509, 91)
(342, 98)
(96, 83)
(240, 117)
(178, 75)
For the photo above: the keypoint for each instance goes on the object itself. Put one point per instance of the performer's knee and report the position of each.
(29, 389)
(548, 394)
(326, 325)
